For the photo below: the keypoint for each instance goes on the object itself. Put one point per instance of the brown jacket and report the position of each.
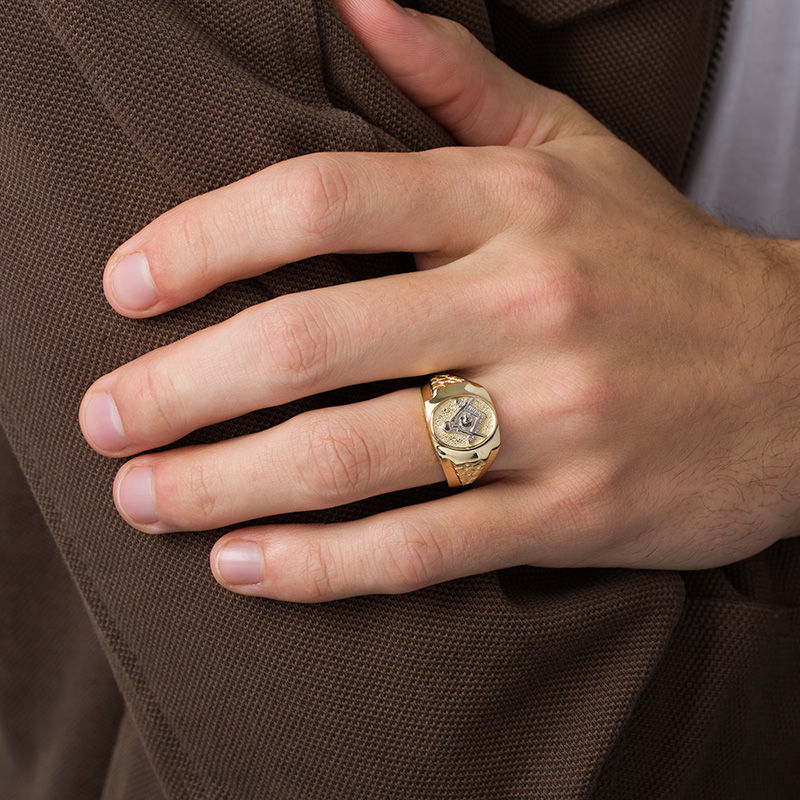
(125, 671)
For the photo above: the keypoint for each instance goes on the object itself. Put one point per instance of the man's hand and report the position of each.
(641, 355)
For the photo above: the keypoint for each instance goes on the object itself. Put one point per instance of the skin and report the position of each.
(641, 355)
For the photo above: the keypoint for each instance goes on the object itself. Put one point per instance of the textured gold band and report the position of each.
(437, 381)
(462, 465)
(469, 473)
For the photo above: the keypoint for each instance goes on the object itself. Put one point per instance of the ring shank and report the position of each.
(463, 474)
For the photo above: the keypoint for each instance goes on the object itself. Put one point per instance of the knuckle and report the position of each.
(595, 495)
(459, 39)
(297, 341)
(596, 392)
(564, 296)
(535, 189)
(551, 297)
(318, 195)
(412, 557)
(584, 401)
(317, 571)
(185, 494)
(586, 509)
(195, 235)
(335, 461)
(157, 400)
(460, 35)
(594, 399)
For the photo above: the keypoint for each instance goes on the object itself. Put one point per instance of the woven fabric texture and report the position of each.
(519, 683)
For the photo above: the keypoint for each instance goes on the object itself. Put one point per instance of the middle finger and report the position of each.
(295, 346)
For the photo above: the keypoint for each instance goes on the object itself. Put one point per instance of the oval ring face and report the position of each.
(463, 422)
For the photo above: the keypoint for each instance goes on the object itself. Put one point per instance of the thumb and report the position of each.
(447, 72)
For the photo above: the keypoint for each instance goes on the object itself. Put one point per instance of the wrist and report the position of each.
(781, 282)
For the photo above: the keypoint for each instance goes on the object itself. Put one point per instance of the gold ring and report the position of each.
(463, 427)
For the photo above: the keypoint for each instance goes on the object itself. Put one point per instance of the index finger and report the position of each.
(305, 206)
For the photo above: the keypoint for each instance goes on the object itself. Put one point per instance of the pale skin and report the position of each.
(642, 357)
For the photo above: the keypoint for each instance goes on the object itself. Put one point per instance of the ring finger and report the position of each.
(317, 459)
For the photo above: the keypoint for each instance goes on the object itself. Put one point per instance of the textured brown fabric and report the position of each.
(62, 717)
(130, 775)
(519, 683)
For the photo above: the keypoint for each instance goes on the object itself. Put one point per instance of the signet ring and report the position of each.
(463, 427)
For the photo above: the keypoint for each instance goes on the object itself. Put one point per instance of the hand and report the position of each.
(640, 354)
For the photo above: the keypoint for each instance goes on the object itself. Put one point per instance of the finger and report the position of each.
(486, 527)
(318, 459)
(448, 72)
(302, 207)
(293, 346)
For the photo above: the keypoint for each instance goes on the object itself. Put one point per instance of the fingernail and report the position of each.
(404, 9)
(240, 562)
(132, 284)
(103, 424)
(137, 495)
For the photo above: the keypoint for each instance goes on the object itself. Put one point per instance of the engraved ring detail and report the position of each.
(463, 427)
